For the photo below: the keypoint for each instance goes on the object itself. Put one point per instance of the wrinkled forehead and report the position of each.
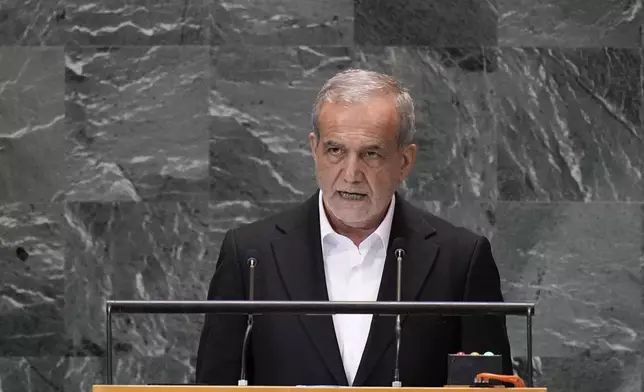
(378, 116)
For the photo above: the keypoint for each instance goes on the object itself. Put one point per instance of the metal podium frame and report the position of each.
(388, 308)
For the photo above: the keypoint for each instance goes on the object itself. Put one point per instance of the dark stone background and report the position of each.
(134, 133)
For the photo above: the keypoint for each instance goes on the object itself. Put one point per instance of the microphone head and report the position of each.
(399, 246)
(251, 257)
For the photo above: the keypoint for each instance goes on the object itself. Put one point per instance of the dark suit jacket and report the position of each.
(442, 263)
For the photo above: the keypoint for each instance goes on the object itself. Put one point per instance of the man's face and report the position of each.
(358, 161)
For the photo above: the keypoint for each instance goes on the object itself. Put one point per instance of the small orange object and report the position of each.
(514, 380)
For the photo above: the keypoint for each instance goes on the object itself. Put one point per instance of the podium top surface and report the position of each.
(217, 388)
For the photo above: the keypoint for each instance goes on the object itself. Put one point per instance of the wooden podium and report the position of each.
(206, 388)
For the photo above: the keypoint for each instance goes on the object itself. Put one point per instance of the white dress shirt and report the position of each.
(353, 274)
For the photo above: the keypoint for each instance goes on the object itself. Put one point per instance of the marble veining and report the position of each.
(593, 313)
(137, 121)
(455, 23)
(32, 119)
(31, 22)
(569, 123)
(281, 22)
(135, 22)
(571, 23)
(136, 251)
(32, 265)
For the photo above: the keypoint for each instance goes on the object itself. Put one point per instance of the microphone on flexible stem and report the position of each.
(251, 259)
(399, 251)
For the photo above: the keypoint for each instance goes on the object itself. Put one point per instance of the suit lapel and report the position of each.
(298, 254)
(420, 254)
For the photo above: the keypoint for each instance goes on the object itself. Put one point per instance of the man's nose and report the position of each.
(353, 171)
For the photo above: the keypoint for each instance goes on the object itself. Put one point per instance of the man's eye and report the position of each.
(372, 154)
(334, 150)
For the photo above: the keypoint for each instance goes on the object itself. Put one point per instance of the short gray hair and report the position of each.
(357, 85)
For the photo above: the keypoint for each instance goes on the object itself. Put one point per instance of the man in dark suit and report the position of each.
(337, 246)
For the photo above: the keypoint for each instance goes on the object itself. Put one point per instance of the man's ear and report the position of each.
(409, 158)
(313, 143)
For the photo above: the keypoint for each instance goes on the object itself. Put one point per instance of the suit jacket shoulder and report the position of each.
(259, 234)
(459, 247)
(267, 226)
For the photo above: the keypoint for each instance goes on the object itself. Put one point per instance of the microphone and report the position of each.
(251, 259)
(399, 251)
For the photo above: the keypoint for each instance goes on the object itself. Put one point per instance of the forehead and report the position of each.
(376, 118)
